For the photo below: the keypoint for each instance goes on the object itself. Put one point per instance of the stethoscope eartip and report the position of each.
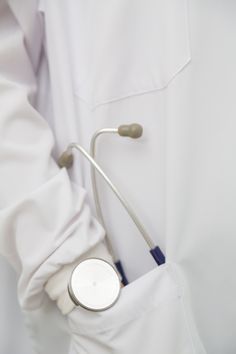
(66, 159)
(133, 131)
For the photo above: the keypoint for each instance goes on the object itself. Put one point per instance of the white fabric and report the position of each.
(57, 285)
(169, 65)
(45, 219)
(108, 49)
(154, 307)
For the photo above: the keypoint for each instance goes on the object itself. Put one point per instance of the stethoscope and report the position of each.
(95, 284)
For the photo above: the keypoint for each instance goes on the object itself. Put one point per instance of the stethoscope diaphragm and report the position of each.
(94, 284)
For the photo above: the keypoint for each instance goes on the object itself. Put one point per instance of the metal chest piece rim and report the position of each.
(94, 285)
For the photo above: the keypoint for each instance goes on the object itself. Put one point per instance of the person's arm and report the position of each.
(45, 221)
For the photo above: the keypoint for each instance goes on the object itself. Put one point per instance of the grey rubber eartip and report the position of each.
(66, 159)
(133, 131)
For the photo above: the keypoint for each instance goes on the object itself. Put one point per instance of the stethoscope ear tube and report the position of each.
(132, 131)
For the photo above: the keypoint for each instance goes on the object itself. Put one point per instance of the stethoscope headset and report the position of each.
(96, 284)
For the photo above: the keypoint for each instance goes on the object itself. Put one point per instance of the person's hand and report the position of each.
(57, 285)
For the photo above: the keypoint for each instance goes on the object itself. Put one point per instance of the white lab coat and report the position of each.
(68, 68)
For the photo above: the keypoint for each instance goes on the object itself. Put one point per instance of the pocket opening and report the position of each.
(157, 320)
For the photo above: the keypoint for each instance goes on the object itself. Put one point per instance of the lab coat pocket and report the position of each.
(150, 317)
(127, 47)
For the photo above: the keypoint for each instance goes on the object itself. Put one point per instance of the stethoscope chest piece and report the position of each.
(94, 284)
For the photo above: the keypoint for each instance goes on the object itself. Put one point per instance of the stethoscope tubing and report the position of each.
(95, 189)
(154, 250)
(117, 261)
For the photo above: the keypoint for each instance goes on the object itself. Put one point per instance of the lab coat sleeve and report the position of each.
(45, 221)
